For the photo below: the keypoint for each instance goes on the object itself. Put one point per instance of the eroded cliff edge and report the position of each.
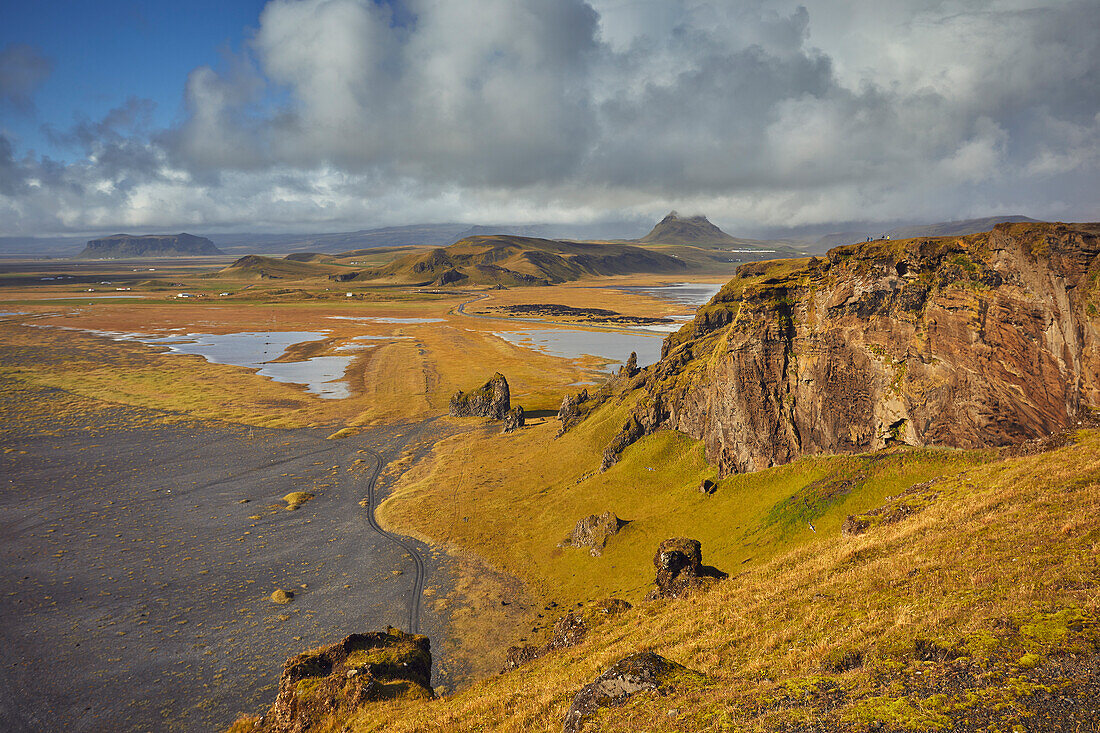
(975, 341)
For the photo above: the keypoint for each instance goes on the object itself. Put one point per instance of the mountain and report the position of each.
(257, 267)
(121, 246)
(690, 230)
(940, 229)
(513, 260)
(984, 340)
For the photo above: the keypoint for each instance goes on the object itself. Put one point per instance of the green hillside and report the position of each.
(512, 260)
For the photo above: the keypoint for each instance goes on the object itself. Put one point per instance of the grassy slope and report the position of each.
(465, 495)
(982, 576)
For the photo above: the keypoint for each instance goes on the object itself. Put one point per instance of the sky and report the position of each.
(333, 115)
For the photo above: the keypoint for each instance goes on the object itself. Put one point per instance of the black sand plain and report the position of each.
(138, 550)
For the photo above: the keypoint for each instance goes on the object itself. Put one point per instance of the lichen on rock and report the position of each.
(627, 677)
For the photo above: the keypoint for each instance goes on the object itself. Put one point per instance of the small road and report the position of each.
(405, 544)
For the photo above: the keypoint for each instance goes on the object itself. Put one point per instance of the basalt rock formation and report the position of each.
(490, 400)
(363, 668)
(985, 340)
(680, 569)
(151, 245)
(513, 420)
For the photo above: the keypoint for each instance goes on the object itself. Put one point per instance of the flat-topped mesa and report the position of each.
(150, 245)
(971, 342)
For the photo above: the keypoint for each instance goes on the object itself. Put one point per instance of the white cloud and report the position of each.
(761, 112)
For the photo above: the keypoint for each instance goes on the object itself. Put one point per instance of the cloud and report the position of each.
(23, 69)
(761, 113)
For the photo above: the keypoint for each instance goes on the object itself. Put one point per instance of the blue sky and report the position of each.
(334, 115)
(104, 53)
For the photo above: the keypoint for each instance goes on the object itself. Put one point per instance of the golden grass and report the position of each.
(472, 481)
(991, 547)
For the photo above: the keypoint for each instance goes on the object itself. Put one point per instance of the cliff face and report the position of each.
(153, 245)
(977, 341)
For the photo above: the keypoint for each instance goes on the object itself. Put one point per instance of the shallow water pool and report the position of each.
(575, 343)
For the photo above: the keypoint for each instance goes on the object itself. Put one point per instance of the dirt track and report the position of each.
(136, 573)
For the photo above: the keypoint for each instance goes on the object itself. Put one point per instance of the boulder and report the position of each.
(594, 531)
(360, 669)
(513, 420)
(680, 569)
(628, 676)
(490, 400)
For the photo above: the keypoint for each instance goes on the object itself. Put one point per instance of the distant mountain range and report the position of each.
(506, 260)
(673, 229)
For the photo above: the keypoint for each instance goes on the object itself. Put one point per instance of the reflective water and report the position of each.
(321, 375)
(574, 343)
(690, 294)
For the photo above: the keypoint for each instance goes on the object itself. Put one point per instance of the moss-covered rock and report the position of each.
(337, 679)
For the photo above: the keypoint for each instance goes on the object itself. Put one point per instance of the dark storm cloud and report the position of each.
(759, 112)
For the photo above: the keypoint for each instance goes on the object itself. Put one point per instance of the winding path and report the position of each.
(407, 545)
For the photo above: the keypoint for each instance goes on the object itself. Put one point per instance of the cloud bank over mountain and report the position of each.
(350, 112)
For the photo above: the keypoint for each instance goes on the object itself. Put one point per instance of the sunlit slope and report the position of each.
(975, 610)
(512, 260)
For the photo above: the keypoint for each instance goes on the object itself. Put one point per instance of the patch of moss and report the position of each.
(282, 597)
(296, 498)
(308, 686)
(901, 713)
(1052, 628)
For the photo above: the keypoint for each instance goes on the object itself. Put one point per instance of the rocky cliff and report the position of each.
(153, 245)
(975, 341)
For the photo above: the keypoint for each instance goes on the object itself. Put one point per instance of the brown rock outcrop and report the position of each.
(362, 668)
(513, 420)
(594, 531)
(491, 400)
(628, 676)
(985, 340)
(680, 569)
